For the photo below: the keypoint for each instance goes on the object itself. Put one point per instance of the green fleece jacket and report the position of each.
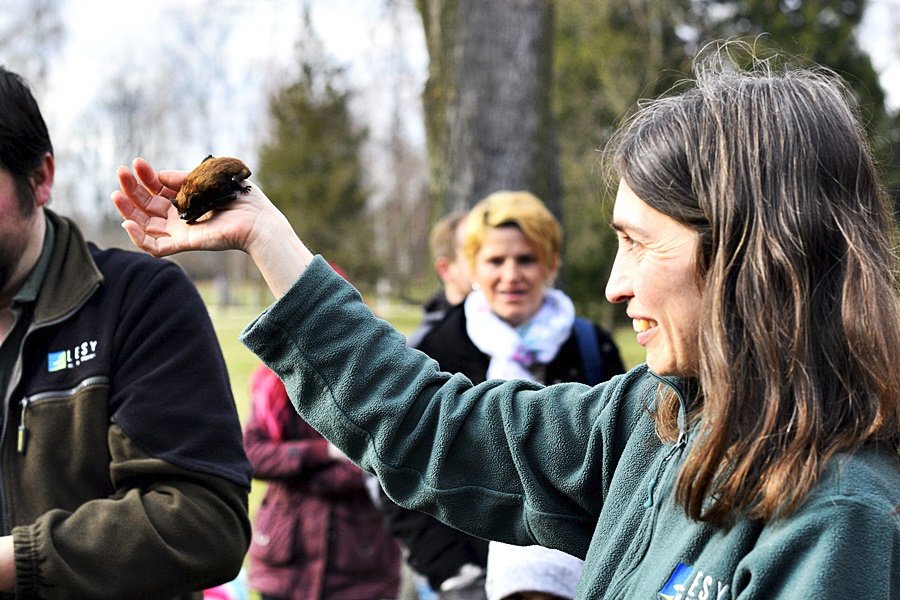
(566, 466)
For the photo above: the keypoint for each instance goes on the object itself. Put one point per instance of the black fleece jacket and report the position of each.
(127, 481)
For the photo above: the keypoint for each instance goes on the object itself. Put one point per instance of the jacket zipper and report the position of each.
(651, 487)
(650, 502)
(22, 437)
(14, 381)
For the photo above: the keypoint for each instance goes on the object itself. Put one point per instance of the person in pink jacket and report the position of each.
(317, 534)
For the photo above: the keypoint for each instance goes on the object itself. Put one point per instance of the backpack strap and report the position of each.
(589, 348)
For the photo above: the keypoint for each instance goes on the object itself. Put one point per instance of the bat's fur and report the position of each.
(214, 182)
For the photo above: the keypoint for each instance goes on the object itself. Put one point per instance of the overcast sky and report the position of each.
(102, 35)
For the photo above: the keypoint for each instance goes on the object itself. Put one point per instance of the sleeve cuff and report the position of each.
(25, 554)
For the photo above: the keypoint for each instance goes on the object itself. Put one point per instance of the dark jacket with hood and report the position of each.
(120, 480)
(433, 312)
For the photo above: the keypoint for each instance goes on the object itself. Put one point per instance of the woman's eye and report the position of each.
(625, 242)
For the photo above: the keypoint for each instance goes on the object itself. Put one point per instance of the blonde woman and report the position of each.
(515, 324)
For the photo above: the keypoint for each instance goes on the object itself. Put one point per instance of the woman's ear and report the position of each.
(42, 180)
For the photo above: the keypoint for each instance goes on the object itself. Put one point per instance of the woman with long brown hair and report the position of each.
(754, 455)
(797, 348)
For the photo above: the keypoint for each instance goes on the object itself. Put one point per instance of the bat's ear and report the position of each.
(208, 156)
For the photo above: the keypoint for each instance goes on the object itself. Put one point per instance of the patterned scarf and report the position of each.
(514, 349)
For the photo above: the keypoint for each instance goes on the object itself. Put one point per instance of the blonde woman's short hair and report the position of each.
(520, 209)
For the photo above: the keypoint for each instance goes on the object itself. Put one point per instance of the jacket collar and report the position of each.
(72, 275)
(30, 289)
(687, 390)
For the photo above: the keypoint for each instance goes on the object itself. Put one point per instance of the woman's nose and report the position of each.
(619, 286)
(510, 271)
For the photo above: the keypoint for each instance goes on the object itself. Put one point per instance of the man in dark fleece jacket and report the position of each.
(123, 473)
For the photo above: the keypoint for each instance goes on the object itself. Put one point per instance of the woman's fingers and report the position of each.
(162, 183)
(137, 196)
(150, 219)
(139, 238)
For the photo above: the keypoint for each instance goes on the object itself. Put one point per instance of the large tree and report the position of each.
(594, 60)
(488, 100)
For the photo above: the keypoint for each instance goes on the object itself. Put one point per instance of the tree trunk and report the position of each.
(488, 102)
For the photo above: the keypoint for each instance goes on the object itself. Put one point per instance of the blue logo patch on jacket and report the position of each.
(66, 359)
(676, 584)
(56, 361)
(686, 583)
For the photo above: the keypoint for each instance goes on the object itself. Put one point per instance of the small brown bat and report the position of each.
(214, 182)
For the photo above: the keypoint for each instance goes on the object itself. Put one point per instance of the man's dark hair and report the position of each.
(24, 139)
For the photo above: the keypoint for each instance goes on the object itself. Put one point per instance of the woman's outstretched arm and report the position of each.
(250, 223)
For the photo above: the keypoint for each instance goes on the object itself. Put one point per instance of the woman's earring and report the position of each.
(476, 286)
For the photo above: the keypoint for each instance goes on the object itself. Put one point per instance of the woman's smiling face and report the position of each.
(510, 274)
(654, 273)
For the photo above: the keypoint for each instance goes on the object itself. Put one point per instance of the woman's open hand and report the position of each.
(250, 223)
(145, 202)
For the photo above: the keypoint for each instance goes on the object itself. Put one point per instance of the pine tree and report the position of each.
(312, 169)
